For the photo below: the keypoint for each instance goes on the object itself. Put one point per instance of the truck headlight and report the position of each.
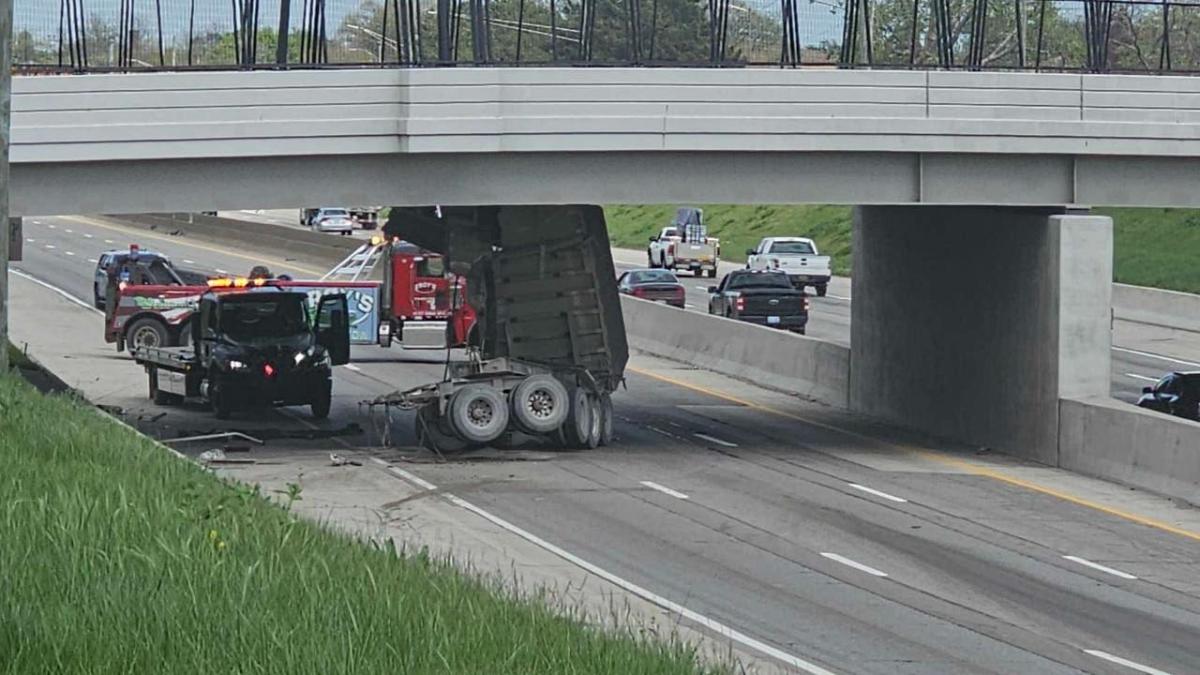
(299, 358)
(236, 365)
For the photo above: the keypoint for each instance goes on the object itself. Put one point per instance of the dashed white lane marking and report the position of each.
(1143, 377)
(718, 441)
(86, 235)
(69, 252)
(673, 607)
(54, 227)
(218, 270)
(70, 231)
(351, 366)
(108, 241)
(702, 288)
(1160, 357)
(30, 240)
(877, 493)
(856, 565)
(37, 222)
(664, 489)
(664, 433)
(93, 260)
(50, 246)
(1125, 662)
(1102, 568)
(189, 262)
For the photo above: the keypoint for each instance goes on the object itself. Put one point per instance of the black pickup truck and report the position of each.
(760, 296)
(251, 349)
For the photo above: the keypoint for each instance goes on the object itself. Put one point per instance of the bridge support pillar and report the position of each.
(972, 322)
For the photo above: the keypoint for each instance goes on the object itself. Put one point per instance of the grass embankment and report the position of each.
(1154, 247)
(117, 557)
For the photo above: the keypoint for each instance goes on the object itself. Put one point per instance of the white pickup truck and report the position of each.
(669, 251)
(797, 256)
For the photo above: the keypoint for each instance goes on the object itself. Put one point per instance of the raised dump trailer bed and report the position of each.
(548, 347)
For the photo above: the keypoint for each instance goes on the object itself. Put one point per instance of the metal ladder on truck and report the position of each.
(358, 265)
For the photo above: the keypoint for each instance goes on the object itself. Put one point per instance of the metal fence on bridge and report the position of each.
(1044, 35)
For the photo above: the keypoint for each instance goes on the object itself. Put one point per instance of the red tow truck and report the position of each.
(416, 287)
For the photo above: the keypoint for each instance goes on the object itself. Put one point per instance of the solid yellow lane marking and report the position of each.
(964, 465)
(202, 247)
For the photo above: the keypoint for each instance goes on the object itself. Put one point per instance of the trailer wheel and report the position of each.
(578, 429)
(596, 428)
(478, 413)
(539, 404)
(606, 420)
(430, 434)
(148, 333)
(322, 402)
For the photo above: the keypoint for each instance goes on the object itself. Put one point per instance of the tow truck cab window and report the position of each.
(431, 266)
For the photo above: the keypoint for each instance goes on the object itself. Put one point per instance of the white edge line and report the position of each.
(351, 366)
(664, 489)
(1143, 377)
(878, 493)
(1125, 662)
(56, 289)
(1102, 568)
(1156, 356)
(711, 624)
(715, 440)
(856, 565)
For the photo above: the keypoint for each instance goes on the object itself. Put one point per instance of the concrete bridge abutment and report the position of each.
(973, 322)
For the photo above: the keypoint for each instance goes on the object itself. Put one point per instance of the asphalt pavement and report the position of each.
(832, 543)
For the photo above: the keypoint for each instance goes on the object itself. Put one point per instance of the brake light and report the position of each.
(268, 370)
(740, 304)
(806, 303)
(638, 292)
(122, 285)
(679, 291)
(671, 250)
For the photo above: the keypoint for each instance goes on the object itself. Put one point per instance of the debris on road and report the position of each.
(218, 456)
(338, 460)
(270, 434)
(212, 436)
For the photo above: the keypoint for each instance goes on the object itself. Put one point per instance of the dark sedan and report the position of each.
(656, 285)
(1176, 394)
(762, 297)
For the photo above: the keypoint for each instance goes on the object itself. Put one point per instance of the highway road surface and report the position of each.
(814, 539)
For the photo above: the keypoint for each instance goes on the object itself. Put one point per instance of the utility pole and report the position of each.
(6, 19)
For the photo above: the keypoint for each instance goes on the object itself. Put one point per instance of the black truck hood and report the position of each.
(277, 348)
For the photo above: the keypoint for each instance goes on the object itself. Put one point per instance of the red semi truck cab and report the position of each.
(421, 288)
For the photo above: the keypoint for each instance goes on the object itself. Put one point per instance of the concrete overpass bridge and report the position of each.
(982, 293)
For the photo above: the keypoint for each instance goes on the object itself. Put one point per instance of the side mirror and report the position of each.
(712, 289)
(1147, 390)
(751, 251)
(653, 239)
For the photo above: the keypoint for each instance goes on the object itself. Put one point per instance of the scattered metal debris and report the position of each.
(338, 460)
(215, 436)
(270, 434)
(218, 456)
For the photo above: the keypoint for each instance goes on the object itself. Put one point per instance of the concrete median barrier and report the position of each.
(773, 358)
(281, 241)
(1170, 309)
(1122, 443)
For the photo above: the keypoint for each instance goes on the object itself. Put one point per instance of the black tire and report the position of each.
(596, 429)
(607, 423)
(821, 290)
(431, 435)
(147, 333)
(222, 405)
(478, 414)
(323, 401)
(578, 429)
(800, 331)
(540, 404)
(712, 274)
(650, 261)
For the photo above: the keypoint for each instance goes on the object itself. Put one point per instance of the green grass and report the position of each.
(1153, 247)
(116, 557)
(741, 227)
(1157, 247)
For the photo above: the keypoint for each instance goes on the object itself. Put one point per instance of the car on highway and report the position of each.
(652, 284)
(797, 256)
(135, 265)
(764, 297)
(331, 219)
(1177, 394)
